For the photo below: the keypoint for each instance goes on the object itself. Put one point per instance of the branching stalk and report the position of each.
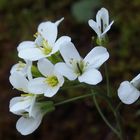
(74, 99)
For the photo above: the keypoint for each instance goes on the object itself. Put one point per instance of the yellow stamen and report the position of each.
(52, 81)
(46, 47)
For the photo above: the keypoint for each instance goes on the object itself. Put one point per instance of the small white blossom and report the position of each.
(128, 92)
(49, 83)
(45, 43)
(101, 26)
(24, 68)
(86, 70)
(31, 115)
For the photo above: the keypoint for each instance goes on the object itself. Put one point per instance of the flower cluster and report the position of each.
(48, 62)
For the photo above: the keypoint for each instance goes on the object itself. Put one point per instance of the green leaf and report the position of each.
(84, 10)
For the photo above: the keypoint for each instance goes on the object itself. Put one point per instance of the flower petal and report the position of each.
(94, 26)
(27, 126)
(59, 21)
(69, 52)
(96, 57)
(103, 15)
(14, 101)
(136, 81)
(37, 86)
(34, 109)
(17, 68)
(91, 76)
(60, 78)
(45, 67)
(18, 81)
(25, 45)
(51, 91)
(60, 42)
(38, 40)
(66, 71)
(127, 93)
(107, 28)
(31, 54)
(19, 104)
(28, 67)
(49, 31)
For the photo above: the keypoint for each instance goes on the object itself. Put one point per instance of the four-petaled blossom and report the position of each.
(22, 68)
(49, 83)
(101, 26)
(86, 70)
(31, 113)
(128, 92)
(45, 43)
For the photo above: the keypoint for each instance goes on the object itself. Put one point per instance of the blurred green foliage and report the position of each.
(83, 10)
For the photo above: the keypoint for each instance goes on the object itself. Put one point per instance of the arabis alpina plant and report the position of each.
(54, 58)
(86, 70)
(101, 26)
(45, 43)
(129, 92)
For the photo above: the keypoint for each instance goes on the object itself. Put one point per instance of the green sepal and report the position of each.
(35, 71)
(98, 41)
(102, 41)
(55, 58)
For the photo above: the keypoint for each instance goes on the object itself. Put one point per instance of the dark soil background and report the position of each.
(78, 120)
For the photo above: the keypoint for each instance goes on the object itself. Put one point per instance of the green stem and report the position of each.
(118, 106)
(104, 118)
(74, 99)
(107, 99)
(72, 85)
(119, 124)
(107, 79)
(118, 133)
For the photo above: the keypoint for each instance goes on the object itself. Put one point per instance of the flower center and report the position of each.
(46, 48)
(43, 44)
(78, 66)
(52, 81)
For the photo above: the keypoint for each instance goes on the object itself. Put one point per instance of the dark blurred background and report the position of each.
(78, 120)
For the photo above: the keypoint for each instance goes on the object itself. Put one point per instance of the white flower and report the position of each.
(86, 70)
(23, 68)
(101, 26)
(128, 92)
(45, 43)
(30, 112)
(51, 81)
